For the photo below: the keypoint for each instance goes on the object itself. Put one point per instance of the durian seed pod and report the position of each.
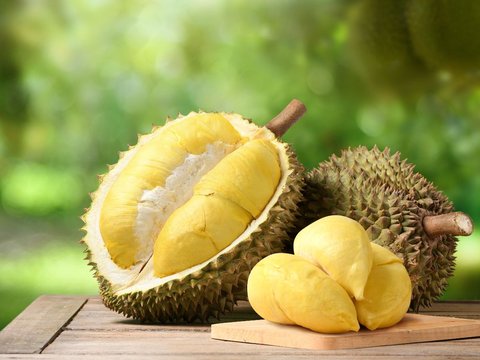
(399, 209)
(178, 223)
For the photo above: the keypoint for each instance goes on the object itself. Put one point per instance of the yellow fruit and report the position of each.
(178, 223)
(288, 289)
(224, 202)
(388, 291)
(121, 214)
(341, 247)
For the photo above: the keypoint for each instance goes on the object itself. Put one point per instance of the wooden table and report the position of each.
(75, 327)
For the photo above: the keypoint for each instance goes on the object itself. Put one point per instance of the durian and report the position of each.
(288, 289)
(341, 247)
(178, 223)
(399, 209)
(387, 293)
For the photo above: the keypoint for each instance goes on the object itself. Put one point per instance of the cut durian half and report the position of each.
(176, 225)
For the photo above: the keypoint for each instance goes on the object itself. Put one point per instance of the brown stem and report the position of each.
(287, 117)
(455, 223)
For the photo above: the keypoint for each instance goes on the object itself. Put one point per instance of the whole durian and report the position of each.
(178, 223)
(398, 207)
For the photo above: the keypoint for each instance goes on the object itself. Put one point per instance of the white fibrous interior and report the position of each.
(156, 205)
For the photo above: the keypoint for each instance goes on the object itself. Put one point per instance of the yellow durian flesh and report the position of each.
(387, 293)
(341, 247)
(148, 169)
(261, 288)
(248, 176)
(197, 231)
(288, 289)
(225, 201)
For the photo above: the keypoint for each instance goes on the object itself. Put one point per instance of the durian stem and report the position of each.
(454, 223)
(286, 118)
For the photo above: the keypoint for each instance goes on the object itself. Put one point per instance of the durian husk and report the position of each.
(390, 200)
(215, 288)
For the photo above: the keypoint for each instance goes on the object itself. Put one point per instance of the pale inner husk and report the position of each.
(157, 205)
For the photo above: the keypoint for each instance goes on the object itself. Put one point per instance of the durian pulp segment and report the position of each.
(147, 279)
(146, 171)
(341, 247)
(289, 289)
(225, 201)
(387, 293)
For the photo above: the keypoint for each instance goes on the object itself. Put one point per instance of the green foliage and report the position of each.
(35, 189)
(55, 268)
(98, 74)
(464, 283)
(79, 80)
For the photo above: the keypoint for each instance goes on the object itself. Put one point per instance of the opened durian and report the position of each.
(398, 207)
(177, 224)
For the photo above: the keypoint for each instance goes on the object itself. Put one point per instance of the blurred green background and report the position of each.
(79, 80)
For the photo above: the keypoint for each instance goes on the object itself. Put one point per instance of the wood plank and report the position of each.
(243, 311)
(413, 328)
(95, 316)
(459, 309)
(462, 315)
(239, 356)
(99, 332)
(264, 355)
(142, 342)
(468, 307)
(197, 344)
(39, 324)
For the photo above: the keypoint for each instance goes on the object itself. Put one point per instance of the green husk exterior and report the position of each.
(214, 289)
(389, 199)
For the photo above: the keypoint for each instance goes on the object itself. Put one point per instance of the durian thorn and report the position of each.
(286, 118)
(454, 223)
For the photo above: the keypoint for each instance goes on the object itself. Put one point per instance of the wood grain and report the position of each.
(175, 344)
(461, 309)
(413, 328)
(94, 316)
(97, 332)
(39, 323)
(437, 350)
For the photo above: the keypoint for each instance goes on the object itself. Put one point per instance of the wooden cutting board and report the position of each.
(413, 328)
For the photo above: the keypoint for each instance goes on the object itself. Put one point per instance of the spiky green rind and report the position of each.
(389, 199)
(214, 289)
